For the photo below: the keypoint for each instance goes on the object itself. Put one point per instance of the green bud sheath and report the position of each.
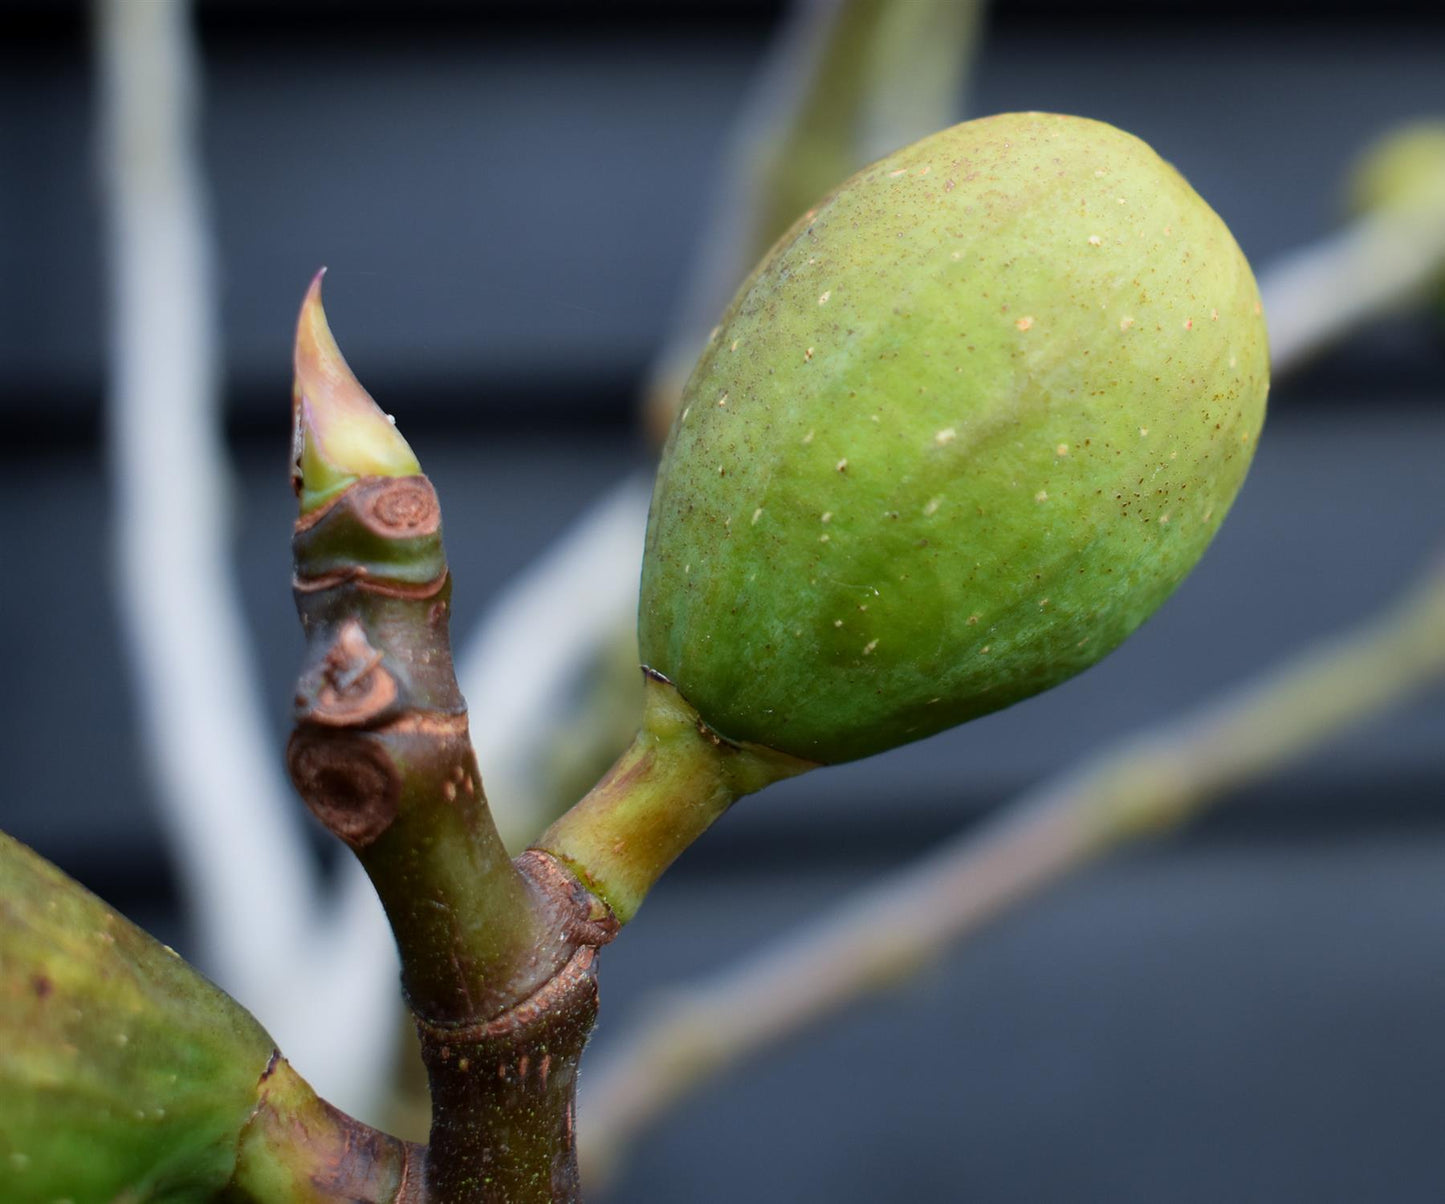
(124, 1075)
(965, 428)
(339, 434)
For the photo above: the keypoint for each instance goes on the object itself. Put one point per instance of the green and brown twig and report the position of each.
(498, 958)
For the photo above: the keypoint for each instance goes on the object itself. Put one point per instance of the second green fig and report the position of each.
(965, 428)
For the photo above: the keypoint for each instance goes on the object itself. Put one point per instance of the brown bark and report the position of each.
(514, 1077)
(498, 959)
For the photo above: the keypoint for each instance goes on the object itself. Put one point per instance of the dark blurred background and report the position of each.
(508, 196)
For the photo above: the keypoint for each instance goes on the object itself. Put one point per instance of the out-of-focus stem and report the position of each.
(1314, 296)
(520, 662)
(224, 804)
(845, 82)
(1149, 785)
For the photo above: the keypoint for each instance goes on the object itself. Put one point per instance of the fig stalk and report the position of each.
(674, 781)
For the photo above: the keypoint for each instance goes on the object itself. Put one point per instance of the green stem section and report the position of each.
(665, 791)
(382, 756)
(298, 1149)
(497, 958)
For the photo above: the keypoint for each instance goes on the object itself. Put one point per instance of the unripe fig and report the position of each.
(124, 1075)
(965, 428)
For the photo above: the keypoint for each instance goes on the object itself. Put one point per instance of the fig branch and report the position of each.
(970, 422)
(497, 958)
(1393, 252)
(1149, 785)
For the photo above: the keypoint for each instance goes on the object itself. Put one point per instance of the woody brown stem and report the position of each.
(382, 757)
(516, 1076)
(497, 958)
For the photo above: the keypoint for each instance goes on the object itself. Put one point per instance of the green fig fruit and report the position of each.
(969, 423)
(124, 1075)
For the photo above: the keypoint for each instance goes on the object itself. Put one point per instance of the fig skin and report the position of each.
(968, 424)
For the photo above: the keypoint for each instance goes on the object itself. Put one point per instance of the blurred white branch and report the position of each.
(1154, 781)
(843, 82)
(1378, 264)
(321, 975)
(518, 665)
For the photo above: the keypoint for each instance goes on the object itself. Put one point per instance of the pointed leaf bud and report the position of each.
(339, 434)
